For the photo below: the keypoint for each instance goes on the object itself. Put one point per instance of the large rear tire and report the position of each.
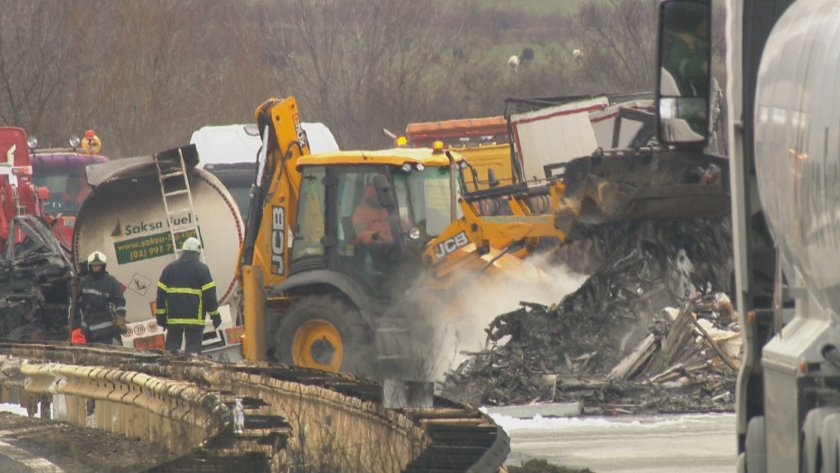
(756, 457)
(811, 449)
(327, 333)
(830, 443)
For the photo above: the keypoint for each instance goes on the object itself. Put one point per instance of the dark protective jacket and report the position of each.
(99, 299)
(186, 291)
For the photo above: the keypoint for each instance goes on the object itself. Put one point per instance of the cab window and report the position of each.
(309, 231)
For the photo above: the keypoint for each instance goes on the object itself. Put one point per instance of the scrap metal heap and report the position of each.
(650, 330)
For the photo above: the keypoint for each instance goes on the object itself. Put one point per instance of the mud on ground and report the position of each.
(79, 449)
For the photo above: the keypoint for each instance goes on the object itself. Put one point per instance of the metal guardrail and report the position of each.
(295, 419)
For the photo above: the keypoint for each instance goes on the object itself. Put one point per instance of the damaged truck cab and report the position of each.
(34, 268)
(62, 172)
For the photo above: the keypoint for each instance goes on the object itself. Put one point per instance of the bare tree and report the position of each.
(616, 44)
(146, 74)
(34, 59)
(359, 65)
(150, 73)
(140, 80)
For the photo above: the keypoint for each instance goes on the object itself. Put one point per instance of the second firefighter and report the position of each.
(185, 292)
(99, 306)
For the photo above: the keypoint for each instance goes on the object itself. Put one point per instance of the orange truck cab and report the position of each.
(483, 142)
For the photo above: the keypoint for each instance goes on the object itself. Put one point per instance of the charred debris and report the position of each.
(652, 330)
(34, 279)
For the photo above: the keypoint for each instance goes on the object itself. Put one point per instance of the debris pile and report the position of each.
(34, 276)
(651, 330)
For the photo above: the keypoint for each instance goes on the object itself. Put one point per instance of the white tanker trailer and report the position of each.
(125, 217)
(784, 134)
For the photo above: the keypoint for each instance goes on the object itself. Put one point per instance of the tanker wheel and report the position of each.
(326, 333)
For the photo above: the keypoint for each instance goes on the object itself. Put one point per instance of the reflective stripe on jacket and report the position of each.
(99, 326)
(186, 291)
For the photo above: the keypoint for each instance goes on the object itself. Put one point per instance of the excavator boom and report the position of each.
(276, 187)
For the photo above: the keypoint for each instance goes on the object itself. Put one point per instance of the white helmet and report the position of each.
(191, 244)
(97, 257)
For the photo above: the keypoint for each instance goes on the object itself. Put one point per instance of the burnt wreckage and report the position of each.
(651, 330)
(35, 275)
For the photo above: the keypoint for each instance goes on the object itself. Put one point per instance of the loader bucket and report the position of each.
(624, 185)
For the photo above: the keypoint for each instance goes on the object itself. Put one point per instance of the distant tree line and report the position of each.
(146, 74)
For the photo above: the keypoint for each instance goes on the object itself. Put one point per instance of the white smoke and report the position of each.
(479, 303)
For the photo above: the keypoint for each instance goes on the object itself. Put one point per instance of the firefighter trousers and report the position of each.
(176, 333)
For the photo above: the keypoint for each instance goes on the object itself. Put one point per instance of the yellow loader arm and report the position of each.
(480, 242)
(264, 256)
(275, 191)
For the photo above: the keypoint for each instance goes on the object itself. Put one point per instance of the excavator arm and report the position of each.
(264, 256)
(609, 186)
(275, 189)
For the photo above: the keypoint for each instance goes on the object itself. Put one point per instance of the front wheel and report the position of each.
(326, 333)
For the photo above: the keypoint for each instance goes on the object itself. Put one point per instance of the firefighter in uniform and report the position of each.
(100, 305)
(185, 292)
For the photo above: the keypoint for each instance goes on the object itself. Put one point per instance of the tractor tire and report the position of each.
(326, 333)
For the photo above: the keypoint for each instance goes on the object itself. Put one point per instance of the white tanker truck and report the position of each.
(783, 99)
(125, 217)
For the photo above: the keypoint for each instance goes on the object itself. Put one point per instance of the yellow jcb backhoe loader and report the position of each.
(323, 290)
(348, 255)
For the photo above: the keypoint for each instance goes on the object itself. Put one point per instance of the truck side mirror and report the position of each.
(383, 191)
(683, 80)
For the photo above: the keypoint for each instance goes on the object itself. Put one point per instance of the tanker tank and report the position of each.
(798, 150)
(124, 217)
(797, 164)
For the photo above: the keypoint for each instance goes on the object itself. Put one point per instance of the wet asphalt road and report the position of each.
(688, 444)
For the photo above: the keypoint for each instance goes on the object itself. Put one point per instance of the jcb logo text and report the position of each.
(278, 240)
(451, 244)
